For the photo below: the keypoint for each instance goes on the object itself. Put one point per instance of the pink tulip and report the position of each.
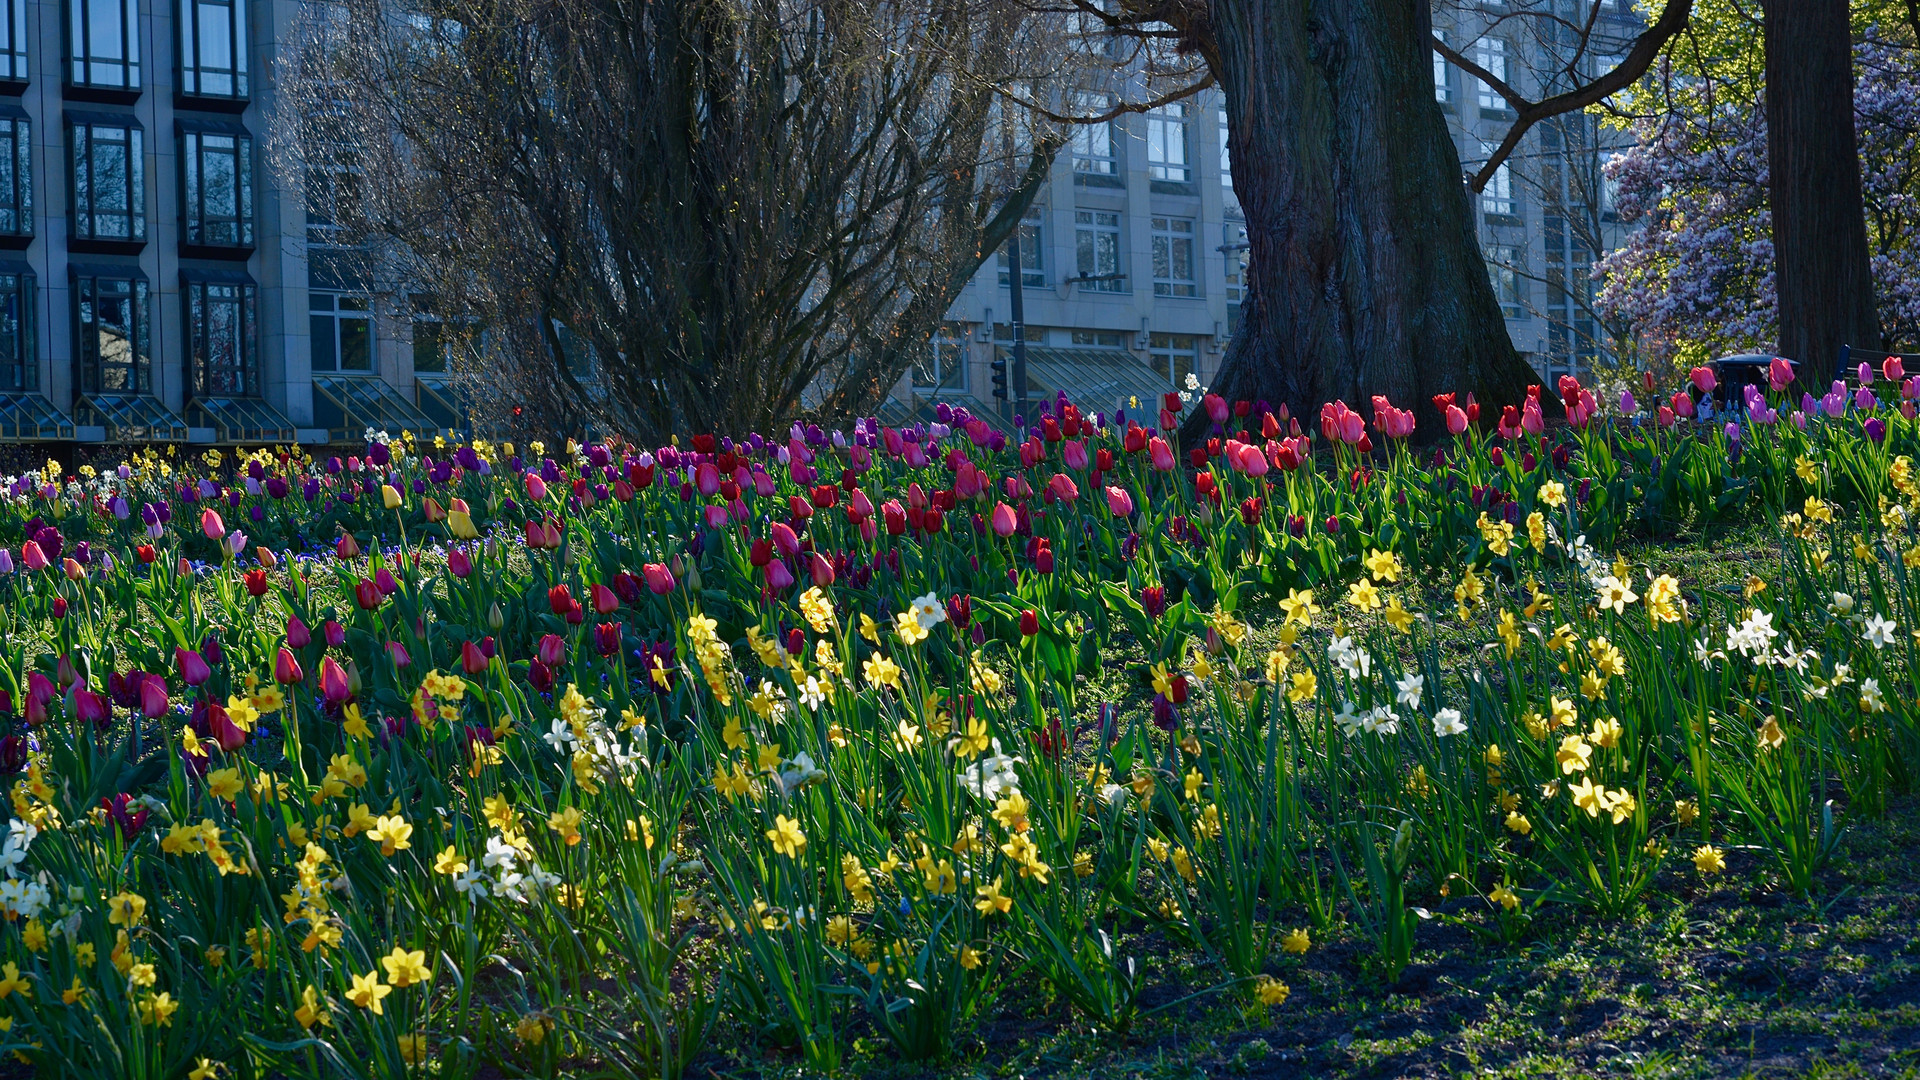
(1252, 461)
(1703, 380)
(1892, 369)
(33, 557)
(536, 488)
(1004, 521)
(153, 697)
(91, 708)
(784, 540)
(1779, 373)
(1119, 502)
(1683, 405)
(1074, 453)
(211, 524)
(1063, 487)
(779, 577)
(286, 669)
(1456, 420)
(1160, 453)
(660, 578)
(821, 569)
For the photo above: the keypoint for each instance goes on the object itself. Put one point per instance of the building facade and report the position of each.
(1133, 256)
(1131, 263)
(154, 280)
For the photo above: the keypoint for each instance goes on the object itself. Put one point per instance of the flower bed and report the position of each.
(457, 759)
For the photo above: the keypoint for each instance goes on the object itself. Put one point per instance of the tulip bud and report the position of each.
(286, 669)
(495, 617)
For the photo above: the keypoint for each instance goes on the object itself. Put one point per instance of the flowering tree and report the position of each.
(1695, 277)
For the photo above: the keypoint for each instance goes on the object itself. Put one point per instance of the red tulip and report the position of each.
(1160, 453)
(606, 639)
(560, 599)
(256, 582)
(1029, 622)
(347, 547)
(366, 594)
(222, 728)
(193, 667)
(153, 697)
(33, 557)
(552, 650)
(333, 682)
(472, 660)
(286, 669)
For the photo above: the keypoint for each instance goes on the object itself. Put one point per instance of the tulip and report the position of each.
(659, 576)
(1892, 369)
(560, 600)
(1704, 380)
(389, 497)
(472, 660)
(1063, 488)
(606, 639)
(211, 524)
(458, 564)
(333, 682)
(347, 547)
(536, 488)
(366, 594)
(401, 658)
(551, 650)
(821, 570)
(128, 822)
(1153, 600)
(286, 669)
(1119, 502)
(1004, 522)
(153, 697)
(220, 726)
(256, 582)
(784, 539)
(1160, 453)
(1029, 623)
(779, 577)
(92, 708)
(192, 666)
(603, 599)
(1779, 373)
(32, 557)
(460, 524)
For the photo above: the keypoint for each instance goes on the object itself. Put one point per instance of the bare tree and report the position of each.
(710, 214)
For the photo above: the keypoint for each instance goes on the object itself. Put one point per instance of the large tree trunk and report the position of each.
(1823, 272)
(1364, 276)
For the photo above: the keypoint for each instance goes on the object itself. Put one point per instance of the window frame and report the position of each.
(1165, 351)
(1505, 271)
(15, 63)
(335, 315)
(195, 223)
(80, 64)
(190, 65)
(1168, 238)
(1167, 136)
(1442, 72)
(16, 188)
(946, 351)
(20, 371)
(1497, 199)
(1492, 54)
(1033, 252)
(197, 298)
(1087, 139)
(90, 366)
(83, 222)
(1086, 259)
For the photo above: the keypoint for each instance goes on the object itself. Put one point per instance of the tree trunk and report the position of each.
(1823, 272)
(1365, 276)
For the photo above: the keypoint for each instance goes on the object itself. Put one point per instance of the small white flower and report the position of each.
(1879, 631)
(1380, 720)
(471, 882)
(928, 611)
(1409, 687)
(560, 736)
(499, 854)
(1347, 719)
(1842, 604)
(1447, 722)
(814, 693)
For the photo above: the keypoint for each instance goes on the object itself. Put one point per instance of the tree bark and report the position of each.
(1823, 272)
(1365, 274)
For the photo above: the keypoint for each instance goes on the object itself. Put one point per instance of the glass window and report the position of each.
(1226, 155)
(1235, 247)
(342, 329)
(332, 177)
(1173, 257)
(1096, 246)
(216, 189)
(103, 44)
(1094, 150)
(1442, 73)
(1167, 143)
(1493, 58)
(1099, 339)
(220, 339)
(431, 342)
(13, 41)
(1174, 356)
(16, 176)
(19, 360)
(213, 48)
(110, 335)
(1506, 269)
(942, 365)
(1033, 254)
(109, 182)
(1497, 198)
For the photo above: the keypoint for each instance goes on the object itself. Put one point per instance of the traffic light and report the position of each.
(999, 366)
